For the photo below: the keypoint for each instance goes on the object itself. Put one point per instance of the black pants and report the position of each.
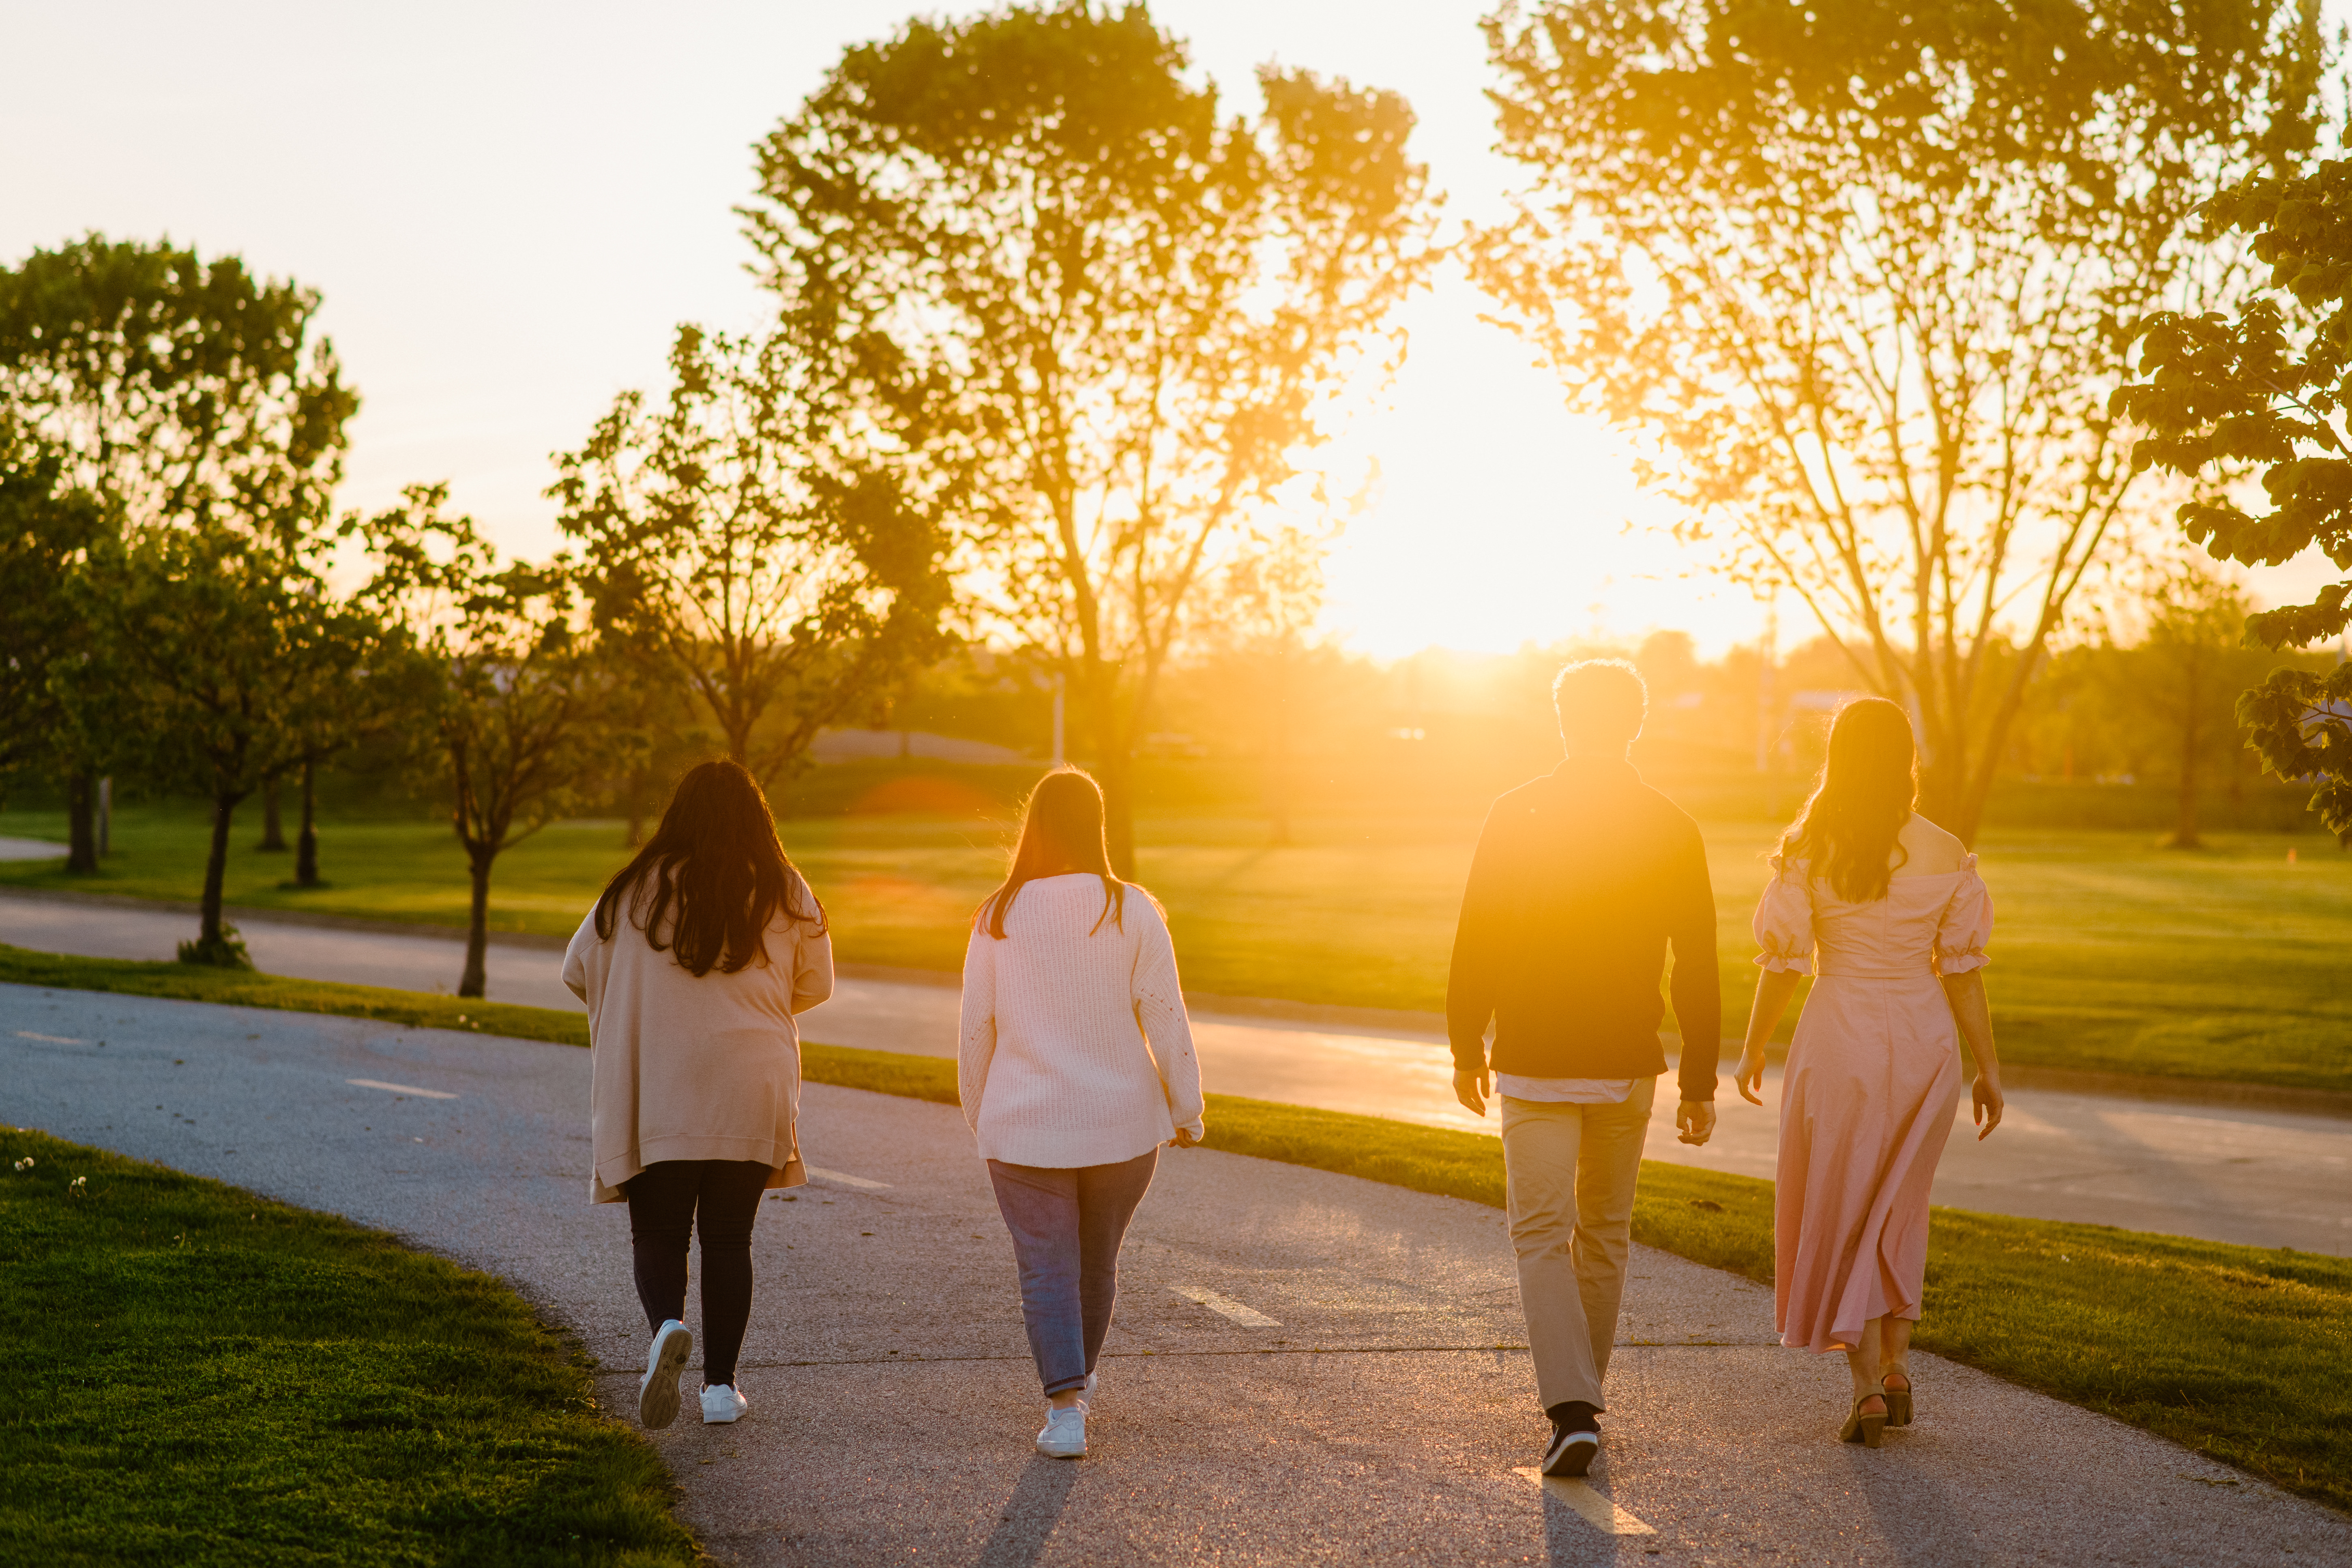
(664, 1198)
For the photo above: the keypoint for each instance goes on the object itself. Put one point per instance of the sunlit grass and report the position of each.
(2112, 954)
(204, 1376)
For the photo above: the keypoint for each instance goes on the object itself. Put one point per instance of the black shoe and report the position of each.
(1575, 1439)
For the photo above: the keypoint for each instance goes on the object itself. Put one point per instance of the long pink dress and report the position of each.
(1873, 1080)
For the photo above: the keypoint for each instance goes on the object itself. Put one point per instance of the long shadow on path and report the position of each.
(1372, 1409)
(1030, 1514)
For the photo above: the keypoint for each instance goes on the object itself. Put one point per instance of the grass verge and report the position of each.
(2112, 956)
(245, 988)
(216, 1378)
(2242, 1353)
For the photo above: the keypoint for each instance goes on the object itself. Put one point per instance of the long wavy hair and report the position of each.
(1061, 832)
(1867, 790)
(714, 875)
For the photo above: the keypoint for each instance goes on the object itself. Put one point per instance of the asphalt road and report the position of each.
(1382, 1415)
(2237, 1173)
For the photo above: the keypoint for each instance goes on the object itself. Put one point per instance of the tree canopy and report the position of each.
(46, 530)
(732, 546)
(2269, 388)
(186, 390)
(1864, 274)
(1104, 313)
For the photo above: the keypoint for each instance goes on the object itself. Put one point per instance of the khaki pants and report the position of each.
(1571, 1170)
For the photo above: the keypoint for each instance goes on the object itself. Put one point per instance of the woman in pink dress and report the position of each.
(1888, 911)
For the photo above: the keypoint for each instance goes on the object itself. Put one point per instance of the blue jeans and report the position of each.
(1067, 1227)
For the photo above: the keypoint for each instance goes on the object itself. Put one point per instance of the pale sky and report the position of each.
(509, 207)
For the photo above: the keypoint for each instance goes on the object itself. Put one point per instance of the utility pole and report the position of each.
(1060, 683)
(105, 813)
(1768, 654)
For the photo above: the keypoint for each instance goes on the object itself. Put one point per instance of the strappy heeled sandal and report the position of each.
(1898, 1400)
(1864, 1426)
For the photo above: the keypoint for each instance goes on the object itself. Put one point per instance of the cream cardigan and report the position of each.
(684, 1068)
(1075, 1048)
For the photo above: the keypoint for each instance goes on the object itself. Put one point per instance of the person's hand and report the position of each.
(1986, 1105)
(1470, 1088)
(1749, 1076)
(1183, 1140)
(1694, 1121)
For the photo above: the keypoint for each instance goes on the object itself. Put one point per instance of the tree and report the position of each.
(656, 734)
(2185, 676)
(513, 730)
(1106, 314)
(730, 542)
(1864, 274)
(1269, 596)
(182, 393)
(2270, 388)
(217, 642)
(273, 830)
(46, 533)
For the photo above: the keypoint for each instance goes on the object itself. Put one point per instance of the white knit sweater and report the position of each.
(1075, 1048)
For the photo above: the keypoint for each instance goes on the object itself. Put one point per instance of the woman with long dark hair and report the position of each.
(693, 964)
(1888, 911)
(1076, 1066)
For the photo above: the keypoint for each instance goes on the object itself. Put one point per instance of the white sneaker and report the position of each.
(1065, 1436)
(1086, 1395)
(657, 1390)
(722, 1405)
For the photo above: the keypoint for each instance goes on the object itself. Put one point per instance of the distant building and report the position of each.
(1821, 699)
(863, 745)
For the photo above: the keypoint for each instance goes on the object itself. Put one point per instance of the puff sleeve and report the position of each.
(1784, 918)
(1965, 926)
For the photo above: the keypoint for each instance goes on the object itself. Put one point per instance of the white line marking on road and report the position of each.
(1246, 1317)
(822, 1174)
(1603, 1515)
(399, 1088)
(51, 1039)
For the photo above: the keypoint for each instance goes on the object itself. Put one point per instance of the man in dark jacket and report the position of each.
(1582, 880)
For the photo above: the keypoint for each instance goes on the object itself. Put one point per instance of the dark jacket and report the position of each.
(1581, 880)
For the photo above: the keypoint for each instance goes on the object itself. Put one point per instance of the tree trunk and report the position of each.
(2184, 826)
(476, 980)
(81, 819)
(273, 831)
(217, 867)
(1278, 752)
(1115, 772)
(216, 943)
(1944, 800)
(306, 844)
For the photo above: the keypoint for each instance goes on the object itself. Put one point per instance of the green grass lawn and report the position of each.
(2242, 1354)
(2112, 954)
(203, 1376)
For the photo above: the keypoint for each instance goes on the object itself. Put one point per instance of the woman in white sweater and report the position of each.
(692, 965)
(1076, 1066)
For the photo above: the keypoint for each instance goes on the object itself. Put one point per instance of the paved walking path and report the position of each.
(2239, 1174)
(1382, 1415)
